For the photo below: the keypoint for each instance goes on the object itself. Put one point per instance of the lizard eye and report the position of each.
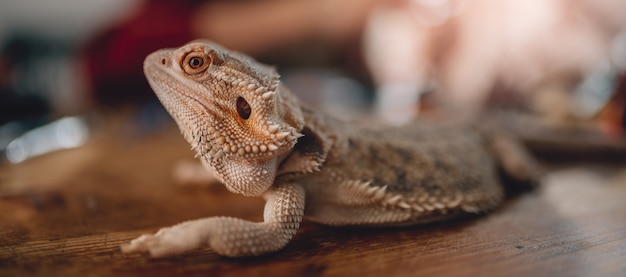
(196, 62)
(243, 108)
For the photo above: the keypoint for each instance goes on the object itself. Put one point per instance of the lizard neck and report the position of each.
(324, 128)
(312, 149)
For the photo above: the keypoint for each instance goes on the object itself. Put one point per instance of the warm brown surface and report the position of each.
(67, 213)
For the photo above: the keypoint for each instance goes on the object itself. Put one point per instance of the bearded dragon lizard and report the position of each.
(258, 140)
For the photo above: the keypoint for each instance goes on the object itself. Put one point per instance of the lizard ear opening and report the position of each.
(308, 155)
(243, 108)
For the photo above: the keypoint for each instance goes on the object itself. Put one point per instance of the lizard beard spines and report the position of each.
(269, 95)
(273, 128)
(282, 135)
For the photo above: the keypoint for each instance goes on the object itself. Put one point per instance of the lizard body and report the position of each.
(258, 140)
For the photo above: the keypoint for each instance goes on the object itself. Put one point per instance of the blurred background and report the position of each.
(64, 63)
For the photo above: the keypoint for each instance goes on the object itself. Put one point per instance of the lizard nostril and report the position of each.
(163, 61)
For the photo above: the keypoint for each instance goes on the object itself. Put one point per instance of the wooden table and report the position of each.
(67, 213)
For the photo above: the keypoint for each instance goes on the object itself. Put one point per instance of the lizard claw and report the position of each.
(159, 245)
(145, 243)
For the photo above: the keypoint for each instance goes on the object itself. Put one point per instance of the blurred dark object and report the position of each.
(22, 90)
(29, 76)
(13, 106)
(114, 59)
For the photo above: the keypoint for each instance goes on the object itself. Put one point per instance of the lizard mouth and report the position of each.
(170, 89)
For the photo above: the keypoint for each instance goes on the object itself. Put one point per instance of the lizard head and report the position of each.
(230, 108)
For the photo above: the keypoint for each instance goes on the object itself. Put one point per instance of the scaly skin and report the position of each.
(256, 138)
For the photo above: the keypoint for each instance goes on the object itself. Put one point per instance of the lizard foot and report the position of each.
(231, 236)
(166, 242)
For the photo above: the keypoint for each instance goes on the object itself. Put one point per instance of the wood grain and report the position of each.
(65, 214)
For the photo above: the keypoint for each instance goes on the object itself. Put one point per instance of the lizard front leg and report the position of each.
(231, 236)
